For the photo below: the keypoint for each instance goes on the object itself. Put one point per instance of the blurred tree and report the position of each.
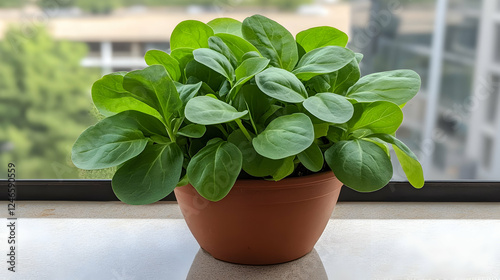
(12, 3)
(44, 103)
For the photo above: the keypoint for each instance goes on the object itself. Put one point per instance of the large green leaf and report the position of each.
(321, 36)
(398, 86)
(190, 34)
(237, 45)
(360, 165)
(251, 98)
(215, 61)
(329, 107)
(272, 40)
(153, 57)
(376, 117)
(253, 163)
(153, 86)
(150, 176)
(208, 76)
(226, 25)
(183, 56)
(193, 130)
(187, 91)
(285, 169)
(407, 159)
(312, 158)
(110, 142)
(246, 71)
(111, 98)
(281, 84)
(249, 68)
(323, 60)
(285, 136)
(214, 170)
(207, 110)
(215, 43)
(251, 54)
(346, 77)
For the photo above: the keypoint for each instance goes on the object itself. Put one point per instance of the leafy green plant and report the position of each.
(247, 100)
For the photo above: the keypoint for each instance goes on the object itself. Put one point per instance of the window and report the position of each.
(39, 135)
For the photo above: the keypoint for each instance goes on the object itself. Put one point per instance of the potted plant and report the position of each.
(232, 111)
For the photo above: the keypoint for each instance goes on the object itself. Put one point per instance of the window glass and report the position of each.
(48, 66)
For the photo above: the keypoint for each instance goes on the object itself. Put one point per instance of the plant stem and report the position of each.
(244, 130)
(221, 128)
(170, 133)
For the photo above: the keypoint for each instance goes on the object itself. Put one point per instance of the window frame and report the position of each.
(395, 191)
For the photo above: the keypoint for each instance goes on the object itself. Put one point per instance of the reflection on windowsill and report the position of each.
(207, 267)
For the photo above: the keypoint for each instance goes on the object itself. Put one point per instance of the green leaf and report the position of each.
(407, 159)
(237, 45)
(150, 176)
(246, 71)
(344, 78)
(321, 36)
(226, 25)
(153, 86)
(250, 97)
(214, 170)
(216, 44)
(249, 55)
(285, 169)
(312, 158)
(215, 61)
(272, 40)
(110, 142)
(360, 165)
(183, 56)
(329, 107)
(285, 136)
(249, 68)
(323, 60)
(183, 181)
(187, 91)
(206, 110)
(321, 83)
(190, 34)
(334, 134)
(398, 86)
(111, 98)
(321, 129)
(200, 72)
(379, 143)
(153, 57)
(192, 130)
(253, 163)
(282, 85)
(376, 117)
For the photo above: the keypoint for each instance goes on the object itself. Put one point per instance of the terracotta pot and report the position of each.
(262, 222)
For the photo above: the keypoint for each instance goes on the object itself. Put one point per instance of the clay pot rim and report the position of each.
(287, 183)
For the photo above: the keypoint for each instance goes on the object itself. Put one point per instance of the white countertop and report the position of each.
(109, 240)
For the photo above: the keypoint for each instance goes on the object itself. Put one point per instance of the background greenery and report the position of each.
(44, 102)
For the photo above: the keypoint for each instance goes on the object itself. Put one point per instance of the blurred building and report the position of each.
(453, 124)
(118, 41)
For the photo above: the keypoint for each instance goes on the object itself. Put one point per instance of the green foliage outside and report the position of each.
(44, 103)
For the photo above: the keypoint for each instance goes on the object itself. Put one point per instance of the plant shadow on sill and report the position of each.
(207, 267)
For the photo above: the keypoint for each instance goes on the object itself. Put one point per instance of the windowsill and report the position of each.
(111, 240)
(343, 210)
